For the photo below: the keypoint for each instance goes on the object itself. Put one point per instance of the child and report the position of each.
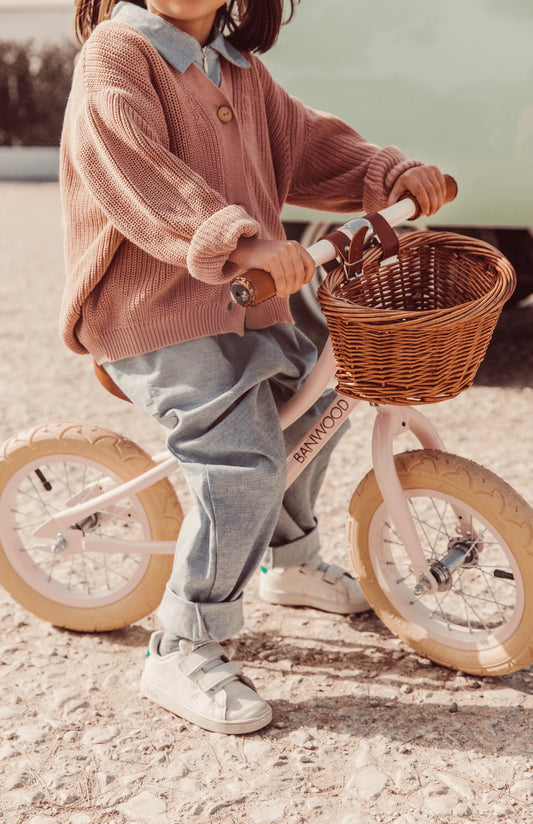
(178, 153)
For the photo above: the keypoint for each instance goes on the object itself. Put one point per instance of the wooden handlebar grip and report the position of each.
(253, 288)
(451, 188)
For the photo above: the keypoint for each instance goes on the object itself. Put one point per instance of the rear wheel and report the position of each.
(480, 622)
(47, 469)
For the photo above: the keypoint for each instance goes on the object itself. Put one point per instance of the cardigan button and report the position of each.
(225, 114)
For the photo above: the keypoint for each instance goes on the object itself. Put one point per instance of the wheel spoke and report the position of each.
(440, 609)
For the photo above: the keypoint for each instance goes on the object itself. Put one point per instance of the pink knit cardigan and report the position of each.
(158, 184)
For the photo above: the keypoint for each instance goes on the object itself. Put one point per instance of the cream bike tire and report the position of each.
(46, 469)
(481, 624)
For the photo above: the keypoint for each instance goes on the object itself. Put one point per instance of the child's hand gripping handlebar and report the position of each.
(258, 285)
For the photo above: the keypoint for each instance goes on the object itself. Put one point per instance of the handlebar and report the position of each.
(258, 285)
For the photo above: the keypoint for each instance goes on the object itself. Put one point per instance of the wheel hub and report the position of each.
(461, 553)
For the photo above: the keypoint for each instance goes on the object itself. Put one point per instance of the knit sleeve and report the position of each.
(119, 147)
(331, 165)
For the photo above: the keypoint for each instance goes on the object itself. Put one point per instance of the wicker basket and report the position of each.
(416, 330)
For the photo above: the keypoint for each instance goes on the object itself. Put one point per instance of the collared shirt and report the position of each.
(177, 47)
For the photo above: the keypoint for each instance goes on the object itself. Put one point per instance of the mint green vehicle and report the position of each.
(450, 83)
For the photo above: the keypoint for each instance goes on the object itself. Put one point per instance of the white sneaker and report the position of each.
(201, 685)
(317, 584)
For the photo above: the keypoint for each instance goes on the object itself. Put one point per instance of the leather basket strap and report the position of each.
(342, 247)
(386, 234)
(350, 252)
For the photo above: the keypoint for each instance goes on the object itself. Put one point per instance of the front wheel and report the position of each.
(481, 621)
(45, 470)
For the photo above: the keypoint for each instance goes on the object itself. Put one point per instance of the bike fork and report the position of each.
(392, 421)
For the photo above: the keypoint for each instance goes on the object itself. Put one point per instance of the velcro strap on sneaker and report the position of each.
(202, 656)
(333, 573)
(218, 676)
(247, 681)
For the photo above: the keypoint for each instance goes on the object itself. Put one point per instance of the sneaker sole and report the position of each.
(168, 702)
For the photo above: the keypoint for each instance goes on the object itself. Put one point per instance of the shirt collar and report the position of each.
(177, 47)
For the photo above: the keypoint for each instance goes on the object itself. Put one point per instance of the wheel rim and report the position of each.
(82, 579)
(482, 609)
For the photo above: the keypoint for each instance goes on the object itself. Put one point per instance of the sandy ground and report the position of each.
(364, 731)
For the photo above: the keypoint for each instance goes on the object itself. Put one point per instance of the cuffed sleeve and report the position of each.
(215, 239)
(382, 173)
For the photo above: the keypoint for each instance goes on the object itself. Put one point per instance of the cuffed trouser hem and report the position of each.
(294, 554)
(201, 622)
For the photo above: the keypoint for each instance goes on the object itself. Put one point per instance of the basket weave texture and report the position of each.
(415, 331)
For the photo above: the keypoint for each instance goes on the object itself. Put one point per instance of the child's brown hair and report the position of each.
(250, 25)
